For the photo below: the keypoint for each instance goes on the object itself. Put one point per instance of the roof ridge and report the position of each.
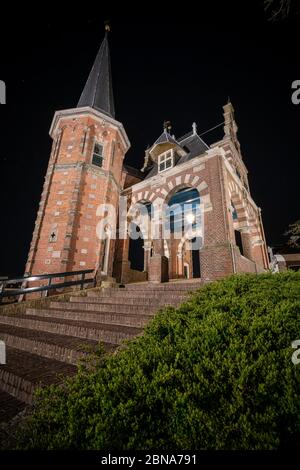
(185, 136)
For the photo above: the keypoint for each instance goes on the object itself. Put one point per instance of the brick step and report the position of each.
(161, 287)
(59, 347)
(24, 372)
(121, 294)
(127, 319)
(9, 406)
(113, 334)
(128, 300)
(107, 308)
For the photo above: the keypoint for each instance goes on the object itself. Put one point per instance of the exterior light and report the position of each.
(190, 218)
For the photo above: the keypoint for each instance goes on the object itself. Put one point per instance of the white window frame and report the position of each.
(165, 157)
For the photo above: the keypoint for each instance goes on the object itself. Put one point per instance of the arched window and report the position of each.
(183, 221)
(184, 208)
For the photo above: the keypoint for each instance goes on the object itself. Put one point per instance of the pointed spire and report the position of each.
(98, 93)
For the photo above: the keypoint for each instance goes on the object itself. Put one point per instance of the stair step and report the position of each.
(108, 308)
(162, 296)
(46, 343)
(113, 334)
(24, 372)
(127, 319)
(121, 300)
(9, 406)
(59, 347)
(176, 286)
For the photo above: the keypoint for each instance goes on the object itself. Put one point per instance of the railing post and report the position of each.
(23, 286)
(2, 288)
(82, 281)
(49, 284)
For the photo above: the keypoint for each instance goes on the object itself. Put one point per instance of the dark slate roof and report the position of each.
(133, 171)
(194, 146)
(165, 137)
(98, 93)
(191, 143)
(153, 171)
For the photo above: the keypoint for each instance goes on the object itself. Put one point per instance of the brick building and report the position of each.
(86, 175)
(284, 257)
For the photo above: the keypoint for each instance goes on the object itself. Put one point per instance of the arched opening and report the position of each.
(136, 249)
(239, 241)
(139, 232)
(237, 233)
(183, 221)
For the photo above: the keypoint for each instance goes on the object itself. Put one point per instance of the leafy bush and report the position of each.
(215, 373)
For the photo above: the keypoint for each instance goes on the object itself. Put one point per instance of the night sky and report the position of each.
(167, 65)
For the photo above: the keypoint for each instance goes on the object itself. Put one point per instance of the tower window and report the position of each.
(97, 159)
(165, 161)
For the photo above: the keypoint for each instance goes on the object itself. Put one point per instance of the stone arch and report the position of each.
(183, 240)
(177, 183)
(236, 197)
(145, 196)
(247, 223)
(175, 190)
(194, 260)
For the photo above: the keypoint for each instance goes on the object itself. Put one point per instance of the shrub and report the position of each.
(215, 373)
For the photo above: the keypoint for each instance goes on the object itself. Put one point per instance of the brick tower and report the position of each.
(85, 170)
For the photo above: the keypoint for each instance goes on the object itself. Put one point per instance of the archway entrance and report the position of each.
(136, 249)
(139, 250)
(183, 220)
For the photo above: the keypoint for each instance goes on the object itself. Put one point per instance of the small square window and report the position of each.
(165, 161)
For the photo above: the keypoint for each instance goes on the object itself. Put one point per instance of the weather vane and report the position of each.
(167, 126)
(107, 26)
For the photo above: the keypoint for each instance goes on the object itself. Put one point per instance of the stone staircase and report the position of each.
(44, 343)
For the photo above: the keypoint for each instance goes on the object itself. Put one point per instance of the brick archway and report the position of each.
(174, 184)
(248, 223)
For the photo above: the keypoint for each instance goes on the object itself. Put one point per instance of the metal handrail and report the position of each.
(28, 290)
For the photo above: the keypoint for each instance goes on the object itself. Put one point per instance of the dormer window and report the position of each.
(97, 159)
(165, 161)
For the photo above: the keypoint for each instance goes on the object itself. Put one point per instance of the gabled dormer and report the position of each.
(167, 151)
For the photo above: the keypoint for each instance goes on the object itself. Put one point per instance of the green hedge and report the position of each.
(215, 373)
